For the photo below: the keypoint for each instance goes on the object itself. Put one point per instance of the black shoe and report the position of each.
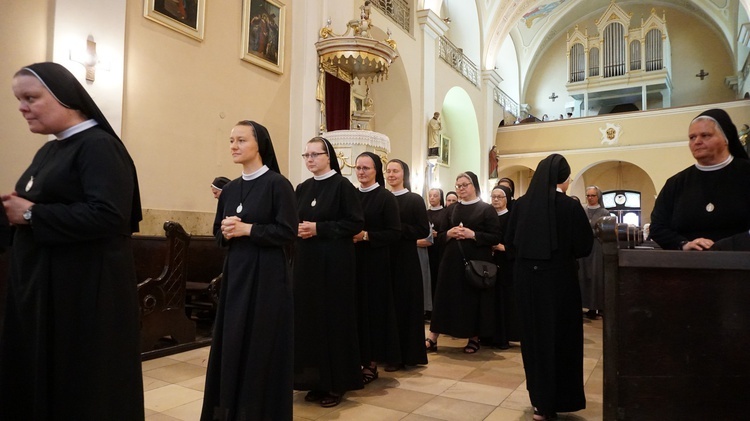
(591, 314)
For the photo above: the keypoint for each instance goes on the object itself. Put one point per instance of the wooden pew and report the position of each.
(675, 332)
(162, 299)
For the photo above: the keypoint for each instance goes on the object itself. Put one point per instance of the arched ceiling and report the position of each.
(533, 23)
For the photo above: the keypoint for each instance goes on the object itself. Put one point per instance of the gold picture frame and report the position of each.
(263, 30)
(184, 16)
(445, 151)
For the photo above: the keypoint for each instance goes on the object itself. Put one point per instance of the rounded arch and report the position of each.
(461, 128)
(520, 174)
(617, 175)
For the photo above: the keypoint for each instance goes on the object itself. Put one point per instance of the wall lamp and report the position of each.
(87, 58)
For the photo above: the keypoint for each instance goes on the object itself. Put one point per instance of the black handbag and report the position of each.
(478, 273)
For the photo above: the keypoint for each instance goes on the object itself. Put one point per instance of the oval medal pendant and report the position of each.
(710, 207)
(313, 203)
(30, 183)
(239, 208)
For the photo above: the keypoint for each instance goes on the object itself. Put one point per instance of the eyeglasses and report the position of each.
(363, 168)
(494, 196)
(591, 195)
(313, 155)
(462, 185)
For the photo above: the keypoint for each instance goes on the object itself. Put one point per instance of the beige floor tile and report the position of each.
(188, 412)
(156, 363)
(160, 417)
(196, 383)
(479, 393)
(453, 386)
(170, 396)
(363, 412)
(150, 383)
(417, 417)
(495, 377)
(446, 369)
(454, 409)
(192, 354)
(505, 414)
(518, 400)
(175, 373)
(425, 384)
(394, 398)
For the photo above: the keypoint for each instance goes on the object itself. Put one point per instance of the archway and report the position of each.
(461, 137)
(617, 175)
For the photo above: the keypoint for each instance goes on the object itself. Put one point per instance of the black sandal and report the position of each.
(331, 399)
(369, 374)
(472, 347)
(433, 345)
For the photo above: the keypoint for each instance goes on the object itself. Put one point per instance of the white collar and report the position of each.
(471, 202)
(593, 207)
(436, 207)
(325, 176)
(715, 167)
(559, 189)
(78, 128)
(503, 212)
(370, 188)
(255, 174)
(400, 192)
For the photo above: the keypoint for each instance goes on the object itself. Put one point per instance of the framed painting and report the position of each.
(183, 16)
(263, 24)
(445, 150)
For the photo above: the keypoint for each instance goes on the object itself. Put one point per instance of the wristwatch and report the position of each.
(27, 214)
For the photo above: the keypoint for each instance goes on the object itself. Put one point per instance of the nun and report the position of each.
(250, 367)
(407, 273)
(710, 200)
(218, 185)
(547, 232)
(71, 339)
(462, 310)
(378, 330)
(326, 347)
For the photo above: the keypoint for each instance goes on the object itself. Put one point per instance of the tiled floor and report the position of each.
(453, 386)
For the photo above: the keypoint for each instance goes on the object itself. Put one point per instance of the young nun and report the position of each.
(249, 373)
(407, 274)
(326, 347)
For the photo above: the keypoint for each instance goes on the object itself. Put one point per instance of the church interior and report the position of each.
(610, 84)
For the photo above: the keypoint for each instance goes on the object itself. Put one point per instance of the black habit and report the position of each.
(326, 346)
(507, 323)
(547, 232)
(407, 278)
(378, 329)
(459, 309)
(439, 221)
(70, 346)
(250, 369)
(681, 209)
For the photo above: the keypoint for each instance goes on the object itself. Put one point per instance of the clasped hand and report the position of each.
(232, 227)
(461, 233)
(307, 229)
(15, 206)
